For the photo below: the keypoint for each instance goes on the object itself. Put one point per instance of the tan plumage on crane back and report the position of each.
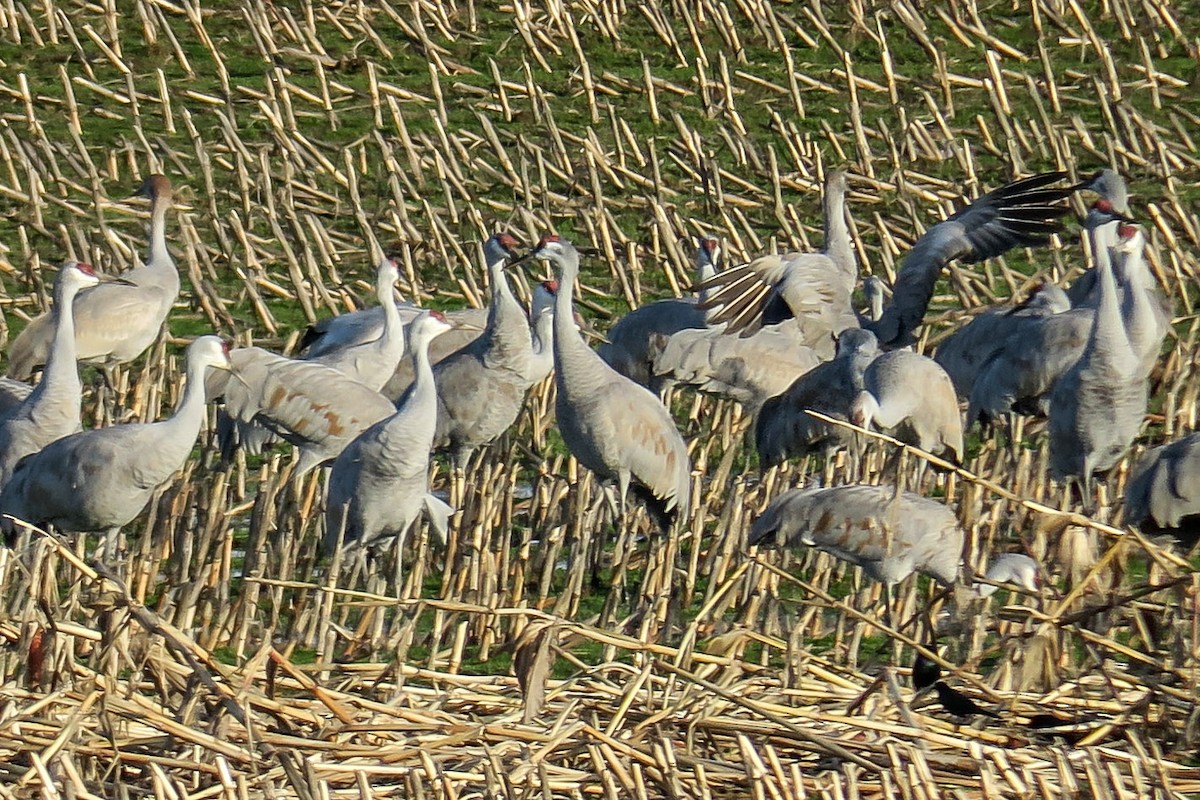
(889, 533)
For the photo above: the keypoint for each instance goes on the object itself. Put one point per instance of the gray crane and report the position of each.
(379, 484)
(1037, 351)
(1015, 568)
(328, 336)
(911, 396)
(51, 411)
(1163, 494)
(613, 426)
(374, 361)
(629, 347)
(481, 388)
(1146, 313)
(785, 430)
(965, 352)
(749, 370)
(314, 407)
(1097, 407)
(813, 288)
(889, 533)
(99, 480)
(114, 322)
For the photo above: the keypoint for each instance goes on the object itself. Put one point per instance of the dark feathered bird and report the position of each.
(958, 703)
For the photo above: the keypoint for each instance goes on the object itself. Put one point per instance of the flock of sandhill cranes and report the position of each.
(375, 392)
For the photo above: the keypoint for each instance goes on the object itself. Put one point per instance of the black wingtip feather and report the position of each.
(663, 517)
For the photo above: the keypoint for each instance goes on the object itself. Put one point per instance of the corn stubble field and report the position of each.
(537, 657)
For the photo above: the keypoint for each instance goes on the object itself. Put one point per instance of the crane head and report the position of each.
(154, 186)
(550, 286)
(1103, 212)
(85, 268)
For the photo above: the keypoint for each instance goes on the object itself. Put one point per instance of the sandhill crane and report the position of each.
(541, 318)
(1146, 313)
(1015, 568)
(629, 347)
(115, 322)
(99, 480)
(965, 353)
(1163, 495)
(380, 482)
(51, 411)
(314, 407)
(1038, 350)
(784, 429)
(374, 361)
(1114, 201)
(913, 397)
(328, 336)
(889, 533)
(613, 426)
(481, 388)
(813, 288)
(1022, 213)
(1097, 407)
(749, 370)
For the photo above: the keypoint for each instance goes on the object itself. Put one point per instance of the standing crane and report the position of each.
(629, 347)
(784, 428)
(613, 426)
(51, 411)
(115, 322)
(374, 361)
(912, 395)
(1097, 407)
(1146, 313)
(481, 388)
(99, 480)
(380, 482)
(1038, 349)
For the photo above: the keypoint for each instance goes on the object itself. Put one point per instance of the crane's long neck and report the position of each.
(184, 425)
(1145, 325)
(1104, 238)
(507, 329)
(577, 367)
(705, 269)
(392, 340)
(1108, 342)
(61, 369)
(422, 399)
(837, 233)
(159, 256)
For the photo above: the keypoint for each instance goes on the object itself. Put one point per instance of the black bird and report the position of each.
(925, 671)
(958, 703)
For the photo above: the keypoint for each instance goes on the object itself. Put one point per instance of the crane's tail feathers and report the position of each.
(439, 513)
(663, 512)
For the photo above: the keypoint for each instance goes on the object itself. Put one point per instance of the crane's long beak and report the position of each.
(114, 279)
